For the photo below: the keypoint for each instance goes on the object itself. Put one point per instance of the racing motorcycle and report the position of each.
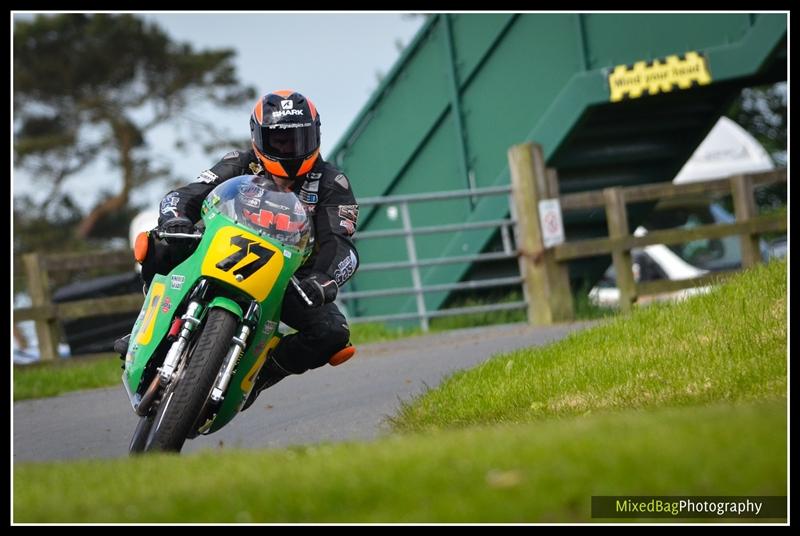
(206, 328)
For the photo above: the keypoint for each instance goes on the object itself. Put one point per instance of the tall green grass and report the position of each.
(729, 344)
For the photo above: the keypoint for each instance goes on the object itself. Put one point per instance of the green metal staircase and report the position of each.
(471, 85)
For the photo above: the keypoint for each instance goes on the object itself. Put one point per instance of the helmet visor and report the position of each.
(286, 140)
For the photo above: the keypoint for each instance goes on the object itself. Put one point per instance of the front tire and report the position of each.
(140, 434)
(185, 396)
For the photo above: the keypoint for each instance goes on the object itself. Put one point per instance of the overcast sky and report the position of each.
(332, 58)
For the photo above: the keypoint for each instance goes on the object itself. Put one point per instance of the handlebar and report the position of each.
(164, 234)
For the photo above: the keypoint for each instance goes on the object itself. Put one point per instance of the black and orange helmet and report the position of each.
(284, 129)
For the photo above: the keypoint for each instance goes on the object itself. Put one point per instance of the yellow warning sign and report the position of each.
(658, 76)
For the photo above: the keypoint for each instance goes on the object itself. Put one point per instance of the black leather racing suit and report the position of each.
(328, 197)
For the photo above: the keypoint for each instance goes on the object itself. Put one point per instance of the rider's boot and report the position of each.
(270, 374)
(342, 355)
(121, 344)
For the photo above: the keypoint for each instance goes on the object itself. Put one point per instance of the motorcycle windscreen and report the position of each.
(264, 207)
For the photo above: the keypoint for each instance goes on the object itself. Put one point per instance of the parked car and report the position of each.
(92, 334)
(727, 150)
(650, 263)
(712, 254)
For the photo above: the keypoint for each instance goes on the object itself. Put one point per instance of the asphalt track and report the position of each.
(344, 403)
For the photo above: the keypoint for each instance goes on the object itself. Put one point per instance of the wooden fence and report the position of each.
(39, 269)
(545, 269)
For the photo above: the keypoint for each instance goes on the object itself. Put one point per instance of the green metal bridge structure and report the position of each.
(613, 100)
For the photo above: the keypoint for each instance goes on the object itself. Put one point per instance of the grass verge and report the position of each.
(41, 380)
(729, 344)
(534, 472)
(675, 399)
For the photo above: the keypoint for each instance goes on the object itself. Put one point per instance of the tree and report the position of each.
(92, 86)
(762, 112)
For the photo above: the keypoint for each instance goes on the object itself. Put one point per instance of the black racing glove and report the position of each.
(319, 288)
(178, 224)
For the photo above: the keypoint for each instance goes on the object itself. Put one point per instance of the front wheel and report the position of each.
(141, 433)
(186, 394)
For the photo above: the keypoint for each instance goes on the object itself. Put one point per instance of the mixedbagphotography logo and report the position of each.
(687, 506)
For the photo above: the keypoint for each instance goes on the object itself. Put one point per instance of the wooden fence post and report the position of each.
(546, 281)
(47, 330)
(617, 218)
(552, 181)
(745, 208)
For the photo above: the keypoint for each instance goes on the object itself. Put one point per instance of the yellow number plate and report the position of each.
(243, 260)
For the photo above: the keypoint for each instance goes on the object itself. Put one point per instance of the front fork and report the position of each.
(226, 371)
(238, 345)
(165, 374)
(176, 351)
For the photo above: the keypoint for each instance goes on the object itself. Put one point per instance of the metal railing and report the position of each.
(414, 263)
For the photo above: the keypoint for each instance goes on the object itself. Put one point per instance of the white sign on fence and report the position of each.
(551, 222)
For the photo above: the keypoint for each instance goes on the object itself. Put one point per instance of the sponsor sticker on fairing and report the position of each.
(260, 347)
(177, 282)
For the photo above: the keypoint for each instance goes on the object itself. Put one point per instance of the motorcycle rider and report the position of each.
(285, 140)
